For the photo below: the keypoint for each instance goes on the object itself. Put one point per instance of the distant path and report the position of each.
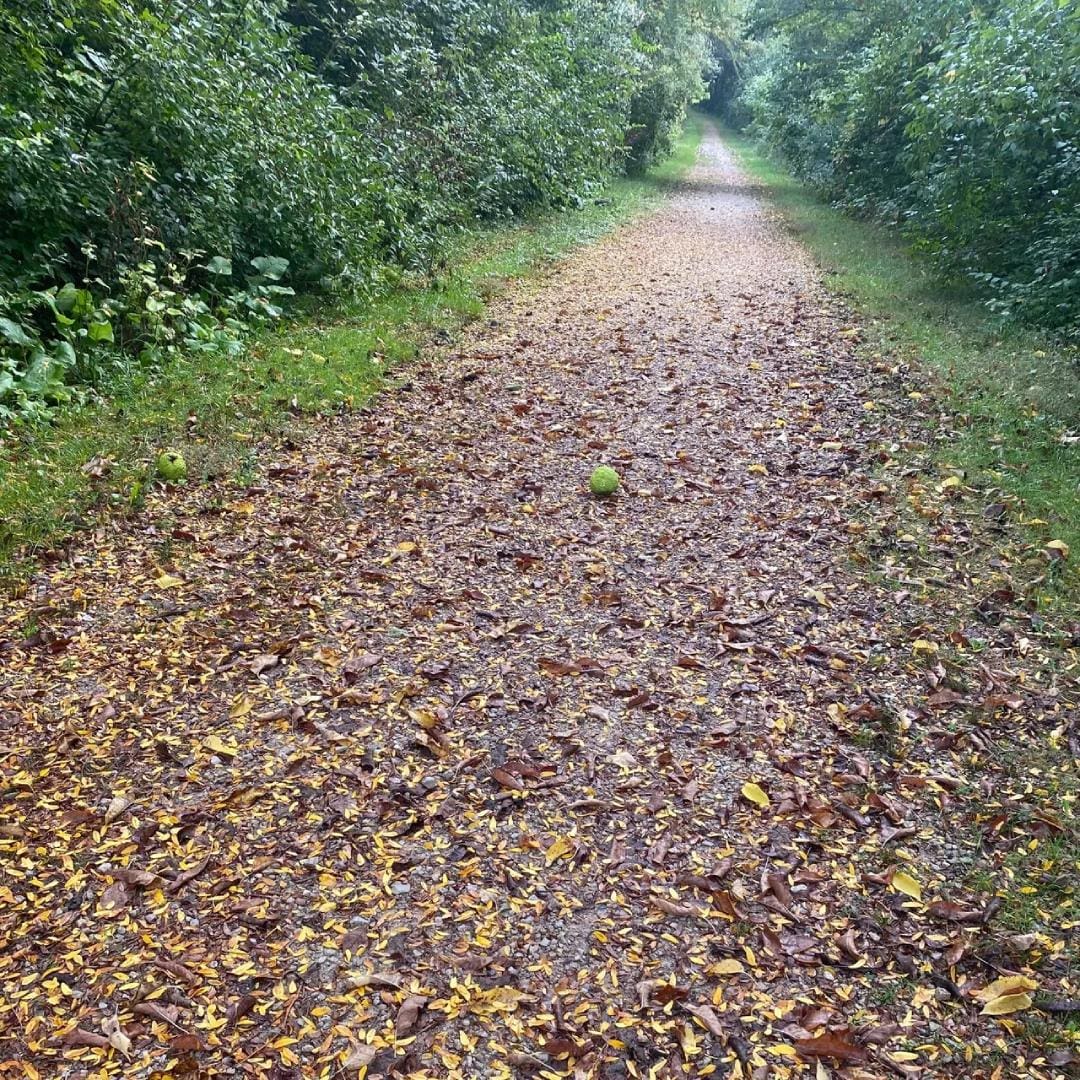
(417, 729)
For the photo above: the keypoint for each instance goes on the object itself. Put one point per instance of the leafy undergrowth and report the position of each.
(95, 462)
(1010, 396)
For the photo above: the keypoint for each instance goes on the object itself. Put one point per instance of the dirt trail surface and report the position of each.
(416, 758)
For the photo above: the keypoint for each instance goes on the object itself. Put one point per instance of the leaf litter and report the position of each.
(425, 763)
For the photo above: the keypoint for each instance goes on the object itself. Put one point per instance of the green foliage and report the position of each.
(94, 459)
(955, 122)
(170, 163)
(1010, 393)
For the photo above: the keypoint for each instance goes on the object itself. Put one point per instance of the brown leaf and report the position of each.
(950, 912)
(185, 876)
(184, 974)
(659, 990)
(833, 1044)
(360, 1056)
(82, 1037)
(240, 1008)
(187, 1043)
(168, 1014)
(506, 779)
(355, 666)
(670, 908)
(709, 1018)
(264, 662)
(115, 897)
(138, 879)
(778, 885)
(408, 1014)
(659, 850)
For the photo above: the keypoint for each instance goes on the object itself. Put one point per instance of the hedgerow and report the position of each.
(171, 171)
(958, 122)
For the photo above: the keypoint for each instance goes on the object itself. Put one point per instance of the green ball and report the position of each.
(171, 466)
(604, 481)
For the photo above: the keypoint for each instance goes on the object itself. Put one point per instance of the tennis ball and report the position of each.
(171, 466)
(604, 481)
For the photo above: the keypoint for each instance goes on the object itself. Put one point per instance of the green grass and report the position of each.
(334, 359)
(1014, 393)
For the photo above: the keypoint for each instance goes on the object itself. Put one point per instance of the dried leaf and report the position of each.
(115, 1034)
(408, 1014)
(838, 1045)
(755, 794)
(1007, 1003)
(906, 884)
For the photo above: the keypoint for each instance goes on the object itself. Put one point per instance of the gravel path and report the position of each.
(417, 757)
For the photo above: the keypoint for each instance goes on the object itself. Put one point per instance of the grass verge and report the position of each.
(1015, 392)
(96, 460)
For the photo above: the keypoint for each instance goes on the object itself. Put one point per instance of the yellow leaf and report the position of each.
(906, 884)
(1060, 547)
(1008, 1003)
(215, 745)
(561, 847)
(167, 581)
(427, 720)
(1007, 984)
(755, 794)
(759, 469)
(240, 707)
(831, 445)
(924, 646)
(950, 482)
(726, 967)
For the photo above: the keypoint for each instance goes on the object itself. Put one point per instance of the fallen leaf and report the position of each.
(408, 1014)
(216, 746)
(115, 1034)
(1007, 1003)
(116, 807)
(833, 1044)
(906, 884)
(726, 967)
(562, 846)
(755, 794)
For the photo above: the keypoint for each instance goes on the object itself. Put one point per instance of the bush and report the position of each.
(142, 151)
(956, 122)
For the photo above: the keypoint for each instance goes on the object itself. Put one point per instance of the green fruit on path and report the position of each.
(604, 481)
(171, 466)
